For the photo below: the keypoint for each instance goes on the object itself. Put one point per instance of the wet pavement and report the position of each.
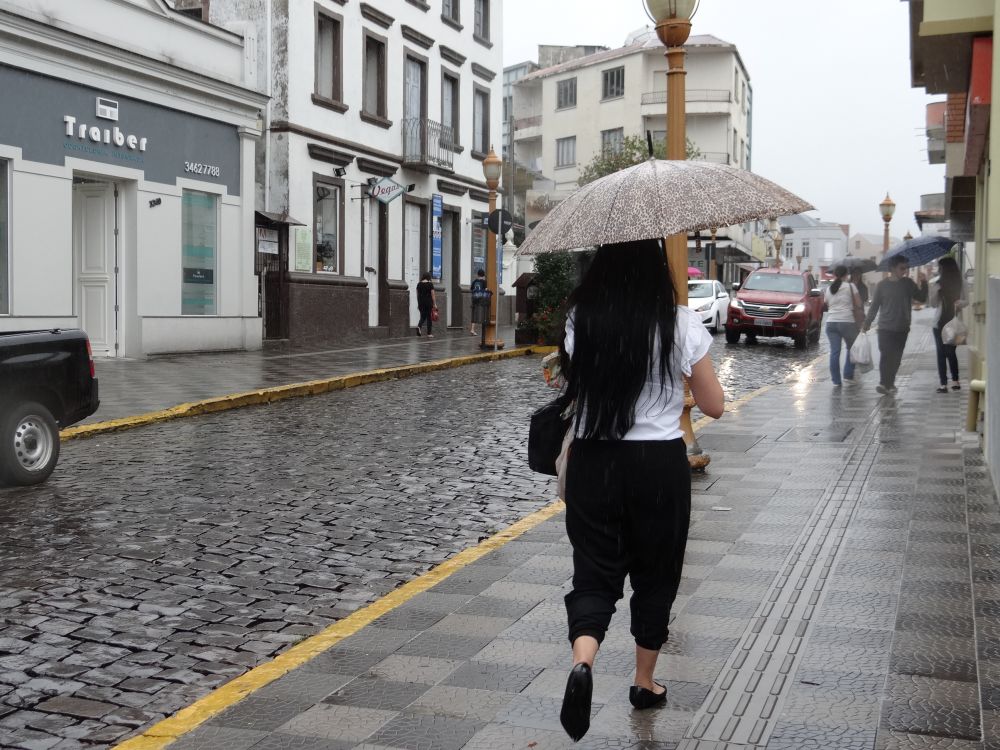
(839, 589)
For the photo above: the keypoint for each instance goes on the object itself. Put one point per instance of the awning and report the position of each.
(269, 217)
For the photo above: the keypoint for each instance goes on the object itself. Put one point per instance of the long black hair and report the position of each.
(840, 272)
(622, 309)
(951, 279)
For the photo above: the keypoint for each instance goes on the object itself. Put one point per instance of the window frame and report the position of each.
(478, 91)
(559, 90)
(380, 117)
(789, 249)
(217, 203)
(456, 105)
(319, 179)
(804, 249)
(336, 100)
(455, 18)
(565, 165)
(481, 22)
(605, 97)
(621, 141)
(6, 261)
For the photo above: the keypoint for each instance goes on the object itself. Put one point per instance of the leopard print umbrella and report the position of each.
(659, 198)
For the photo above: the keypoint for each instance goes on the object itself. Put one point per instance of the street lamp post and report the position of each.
(673, 27)
(888, 208)
(492, 169)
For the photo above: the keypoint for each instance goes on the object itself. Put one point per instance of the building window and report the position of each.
(736, 85)
(805, 248)
(4, 239)
(449, 10)
(566, 152)
(481, 120)
(612, 141)
(328, 230)
(857, 244)
(482, 27)
(566, 93)
(200, 240)
(789, 250)
(613, 83)
(449, 105)
(373, 88)
(328, 57)
(508, 103)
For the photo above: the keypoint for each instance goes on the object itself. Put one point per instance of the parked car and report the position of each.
(776, 302)
(710, 300)
(46, 383)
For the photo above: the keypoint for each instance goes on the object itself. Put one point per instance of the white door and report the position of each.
(371, 265)
(95, 247)
(411, 243)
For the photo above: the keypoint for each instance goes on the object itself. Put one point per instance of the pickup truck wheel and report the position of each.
(29, 444)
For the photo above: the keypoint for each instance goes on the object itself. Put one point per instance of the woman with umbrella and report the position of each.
(626, 351)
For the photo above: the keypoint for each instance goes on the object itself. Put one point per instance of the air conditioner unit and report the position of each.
(107, 109)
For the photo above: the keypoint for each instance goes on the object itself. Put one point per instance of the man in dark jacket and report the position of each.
(893, 304)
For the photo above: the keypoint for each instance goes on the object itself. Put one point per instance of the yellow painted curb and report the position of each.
(293, 390)
(163, 733)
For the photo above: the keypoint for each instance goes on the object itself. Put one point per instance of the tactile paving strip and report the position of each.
(740, 710)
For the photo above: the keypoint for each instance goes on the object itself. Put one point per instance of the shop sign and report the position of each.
(106, 136)
(386, 190)
(437, 212)
(267, 241)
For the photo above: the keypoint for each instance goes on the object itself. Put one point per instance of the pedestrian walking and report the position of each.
(844, 312)
(892, 304)
(480, 301)
(626, 350)
(858, 279)
(426, 304)
(950, 299)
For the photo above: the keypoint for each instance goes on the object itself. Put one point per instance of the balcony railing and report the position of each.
(692, 95)
(428, 143)
(523, 123)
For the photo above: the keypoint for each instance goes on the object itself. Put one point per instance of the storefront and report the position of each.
(128, 216)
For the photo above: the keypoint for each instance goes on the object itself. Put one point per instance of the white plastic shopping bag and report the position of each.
(861, 353)
(954, 332)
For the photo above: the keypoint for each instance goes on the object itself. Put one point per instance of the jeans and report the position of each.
(947, 356)
(628, 505)
(425, 317)
(839, 334)
(891, 345)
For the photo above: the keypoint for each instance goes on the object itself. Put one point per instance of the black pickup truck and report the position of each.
(46, 383)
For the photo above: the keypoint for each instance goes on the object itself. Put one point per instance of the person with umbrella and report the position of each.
(950, 294)
(626, 350)
(893, 306)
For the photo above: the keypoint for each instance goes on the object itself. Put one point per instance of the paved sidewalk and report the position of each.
(133, 387)
(840, 591)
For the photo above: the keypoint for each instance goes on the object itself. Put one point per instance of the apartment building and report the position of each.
(567, 113)
(813, 245)
(381, 114)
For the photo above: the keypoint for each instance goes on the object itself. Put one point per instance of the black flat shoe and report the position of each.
(575, 714)
(641, 698)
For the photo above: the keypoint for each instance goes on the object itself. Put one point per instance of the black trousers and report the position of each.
(628, 506)
(947, 356)
(425, 317)
(891, 345)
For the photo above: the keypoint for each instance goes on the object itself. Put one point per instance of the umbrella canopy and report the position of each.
(919, 251)
(692, 271)
(864, 265)
(659, 198)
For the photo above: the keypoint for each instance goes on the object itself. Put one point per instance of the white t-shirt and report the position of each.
(658, 410)
(840, 306)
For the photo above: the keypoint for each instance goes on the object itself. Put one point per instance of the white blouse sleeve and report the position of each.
(568, 342)
(697, 341)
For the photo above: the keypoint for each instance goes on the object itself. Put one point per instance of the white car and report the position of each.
(711, 301)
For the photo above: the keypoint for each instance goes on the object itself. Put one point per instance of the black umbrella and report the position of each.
(919, 251)
(852, 264)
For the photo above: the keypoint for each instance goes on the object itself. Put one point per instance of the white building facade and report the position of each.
(813, 245)
(127, 176)
(567, 114)
(402, 93)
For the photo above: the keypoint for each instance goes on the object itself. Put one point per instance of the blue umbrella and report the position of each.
(919, 251)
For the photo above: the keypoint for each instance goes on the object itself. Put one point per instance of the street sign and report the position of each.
(500, 222)
(386, 190)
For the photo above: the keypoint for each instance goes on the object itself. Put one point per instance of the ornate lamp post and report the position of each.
(492, 170)
(673, 27)
(888, 208)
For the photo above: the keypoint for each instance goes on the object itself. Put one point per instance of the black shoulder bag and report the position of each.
(546, 433)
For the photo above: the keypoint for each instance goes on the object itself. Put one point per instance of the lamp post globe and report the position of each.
(661, 10)
(492, 169)
(888, 208)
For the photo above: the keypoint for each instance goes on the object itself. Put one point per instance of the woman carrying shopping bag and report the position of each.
(949, 298)
(844, 317)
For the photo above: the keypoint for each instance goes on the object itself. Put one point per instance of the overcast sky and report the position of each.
(835, 119)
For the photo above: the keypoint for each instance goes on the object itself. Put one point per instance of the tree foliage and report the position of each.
(555, 280)
(634, 151)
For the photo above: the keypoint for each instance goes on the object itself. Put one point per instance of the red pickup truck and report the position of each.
(776, 302)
